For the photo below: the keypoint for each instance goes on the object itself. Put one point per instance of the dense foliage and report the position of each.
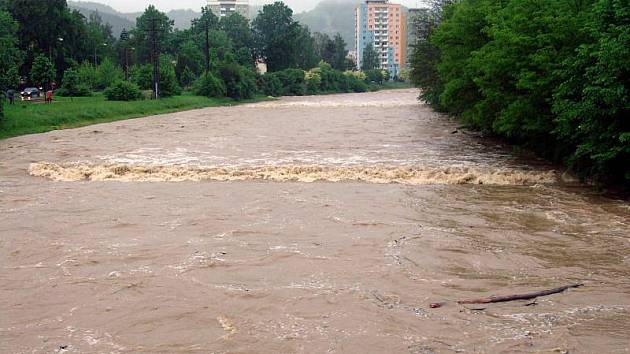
(123, 91)
(72, 85)
(552, 75)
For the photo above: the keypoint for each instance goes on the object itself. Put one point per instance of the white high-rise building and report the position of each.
(223, 8)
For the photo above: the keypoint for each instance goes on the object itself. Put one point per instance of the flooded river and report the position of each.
(303, 225)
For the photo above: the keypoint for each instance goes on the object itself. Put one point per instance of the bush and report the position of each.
(168, 80)
(187, 77)
(71, 85)
(313, 82)
(357, 85)
(240, 83)
(271, 85)
(87, 75)
(374, 76)
(292, 81)
(210, 86)
(107, 73)
(123, 91)
(142, 75)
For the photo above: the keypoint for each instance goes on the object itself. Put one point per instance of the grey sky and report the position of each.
(165, 5)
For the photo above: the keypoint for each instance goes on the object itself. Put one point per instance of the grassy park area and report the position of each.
(29, 118)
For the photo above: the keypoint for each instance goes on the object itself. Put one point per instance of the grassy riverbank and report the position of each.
(29, 118)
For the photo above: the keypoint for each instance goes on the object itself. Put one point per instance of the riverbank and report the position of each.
(25, 118)
(28, 118)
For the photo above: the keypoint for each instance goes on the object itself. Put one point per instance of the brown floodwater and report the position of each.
(303, 225)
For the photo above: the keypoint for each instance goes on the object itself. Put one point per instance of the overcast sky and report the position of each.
(165, 5)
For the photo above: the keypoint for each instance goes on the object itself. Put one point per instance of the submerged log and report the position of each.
(528, 296)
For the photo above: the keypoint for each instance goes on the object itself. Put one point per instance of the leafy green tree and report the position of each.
(293, 81)
(151, 21)
(237, 29)
(10, 55)
(189, 57)
(370, 58)
(71, 85)
(168, 80)
(142, 75)
(271, 85)
(107, 73)
(43, 71)
(240, 82)
(276, 35)
(305, 54)
(210, 86)
(123, 91)
(207, 20)
(593, 102)
(338, 60)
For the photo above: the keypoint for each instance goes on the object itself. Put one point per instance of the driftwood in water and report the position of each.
(529, 296)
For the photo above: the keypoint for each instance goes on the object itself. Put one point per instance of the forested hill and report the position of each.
(331, 17)
(119, 20)
(116, 19)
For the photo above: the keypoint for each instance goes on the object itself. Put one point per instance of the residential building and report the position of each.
(223, 8)
(382, 25)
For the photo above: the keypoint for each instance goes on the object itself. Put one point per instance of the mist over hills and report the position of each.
(329, 17)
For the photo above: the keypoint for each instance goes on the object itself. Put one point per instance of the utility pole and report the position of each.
(207, 47)
(124, 38)
(155, 57)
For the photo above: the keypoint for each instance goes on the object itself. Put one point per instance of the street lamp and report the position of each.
(95, 46)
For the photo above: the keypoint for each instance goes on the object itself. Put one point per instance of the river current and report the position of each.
(302, 225)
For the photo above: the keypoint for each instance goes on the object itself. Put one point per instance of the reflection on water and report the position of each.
(402, 210)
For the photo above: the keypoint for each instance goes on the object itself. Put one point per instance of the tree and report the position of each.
(189, 57)
(237, 29)
(305, 54)
(151, 22)
(72, 86)
(43, 71)
(10, 56)
(593, 102)
(275, 36)
(370, 58)
(107, 73)
(338, 60)
(168, 80)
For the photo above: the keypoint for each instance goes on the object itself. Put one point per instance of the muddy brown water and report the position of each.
(304, 225)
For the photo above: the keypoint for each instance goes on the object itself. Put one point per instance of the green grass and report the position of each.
(29, 118)
(391, 85)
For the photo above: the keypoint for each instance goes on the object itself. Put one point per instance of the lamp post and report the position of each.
(96, 46)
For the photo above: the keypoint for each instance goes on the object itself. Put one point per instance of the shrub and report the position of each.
(107, 73)
(239, 82)
(71, 85)
(292, 81)
(142, 75)
(210, 86)
(187, 77)
(374, 76)
(168, 79)
(123, 91)
(357, 85)
(87, 75)
(271, 85)
(313, 81)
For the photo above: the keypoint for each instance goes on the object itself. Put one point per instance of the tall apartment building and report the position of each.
(382, 25)
(223, 8)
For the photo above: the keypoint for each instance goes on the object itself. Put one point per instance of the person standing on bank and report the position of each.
(11, 96)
